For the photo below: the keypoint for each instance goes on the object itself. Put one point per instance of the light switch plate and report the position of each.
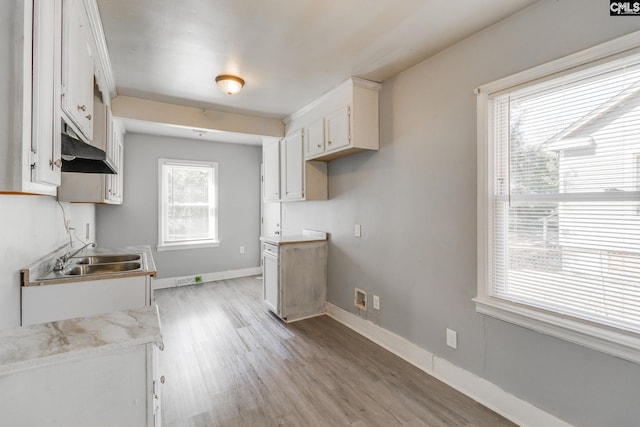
(357, 231)
(452, 338)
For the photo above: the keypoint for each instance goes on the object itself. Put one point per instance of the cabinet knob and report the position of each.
(319, 146)
(162, 379)
(56, 163)
(88, 116)
(82, 107)
(330, 142)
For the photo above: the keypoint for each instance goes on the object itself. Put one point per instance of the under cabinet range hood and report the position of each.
(78, 156)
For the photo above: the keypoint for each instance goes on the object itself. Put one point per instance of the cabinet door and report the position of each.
(314, 139)
(338, 129)
(45, 137)
(77, 68)
(114, 182)
(292, 179)
(271, 281)
(271, 159)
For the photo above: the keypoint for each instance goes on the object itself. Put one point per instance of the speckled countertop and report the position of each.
(46, 343)
(40, 272)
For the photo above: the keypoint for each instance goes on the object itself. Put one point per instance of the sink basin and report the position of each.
(104, 259)
(88, 269)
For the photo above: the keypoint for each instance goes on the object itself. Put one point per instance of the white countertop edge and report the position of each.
(306, 236)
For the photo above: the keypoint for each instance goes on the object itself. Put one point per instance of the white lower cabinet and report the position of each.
(295, 279)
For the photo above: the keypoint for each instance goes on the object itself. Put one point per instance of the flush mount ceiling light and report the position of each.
(229, 84)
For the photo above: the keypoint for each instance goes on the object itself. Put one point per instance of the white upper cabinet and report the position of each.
(97, 187)
(292, 167)
(271, 162)
(114, 190)
(77, 69)
(287, 176)
(342, 122)
(314, 142)
(30, 38)
(338, 129)
(46, 160)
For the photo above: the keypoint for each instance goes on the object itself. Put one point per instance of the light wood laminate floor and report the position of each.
(229, 362)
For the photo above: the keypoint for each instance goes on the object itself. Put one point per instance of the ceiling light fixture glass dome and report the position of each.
(229, 84)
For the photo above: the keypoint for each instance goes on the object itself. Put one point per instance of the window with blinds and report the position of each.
(563, 194)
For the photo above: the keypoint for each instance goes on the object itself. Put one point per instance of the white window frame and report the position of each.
(610, 340)
(164, 245)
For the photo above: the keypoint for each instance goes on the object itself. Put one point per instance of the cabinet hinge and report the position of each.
(32, 158)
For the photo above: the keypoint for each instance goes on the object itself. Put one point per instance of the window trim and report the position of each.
(187, 244)
(610, 340)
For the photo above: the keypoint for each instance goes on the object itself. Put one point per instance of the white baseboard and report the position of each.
(515, 409)
(170, 282)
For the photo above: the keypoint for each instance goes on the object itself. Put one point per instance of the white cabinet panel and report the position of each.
(45, 133)
(48, 303)
(271, 280)
(292, 178)
(271, 160)
(338, 129)
(314, 141)
(77, 68)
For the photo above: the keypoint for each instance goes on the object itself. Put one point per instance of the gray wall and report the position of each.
(416, 201)
(136, 221)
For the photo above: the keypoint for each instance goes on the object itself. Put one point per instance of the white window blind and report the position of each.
(563, 224)
(188, 203)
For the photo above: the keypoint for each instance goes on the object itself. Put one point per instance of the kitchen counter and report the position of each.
(46, 343)
(41, 272)
(306, 236)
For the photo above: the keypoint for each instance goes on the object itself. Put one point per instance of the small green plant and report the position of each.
(198, 279)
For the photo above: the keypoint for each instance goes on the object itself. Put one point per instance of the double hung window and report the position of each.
(559, 234)
(188, 209)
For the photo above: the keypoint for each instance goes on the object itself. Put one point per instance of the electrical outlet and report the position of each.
(360, 299)
(87, 233)
(241, 249)
(357, 231)
(376, 302)
(452, 338)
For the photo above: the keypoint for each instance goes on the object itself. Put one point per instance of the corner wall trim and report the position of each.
(171, 282)
(490, 395)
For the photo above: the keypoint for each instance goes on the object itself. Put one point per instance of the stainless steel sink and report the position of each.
(88, 269)
(105, 259)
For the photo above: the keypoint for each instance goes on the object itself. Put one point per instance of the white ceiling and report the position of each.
(288, 51)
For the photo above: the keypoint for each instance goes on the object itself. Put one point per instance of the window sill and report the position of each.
(623, 344)
(182, 246)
